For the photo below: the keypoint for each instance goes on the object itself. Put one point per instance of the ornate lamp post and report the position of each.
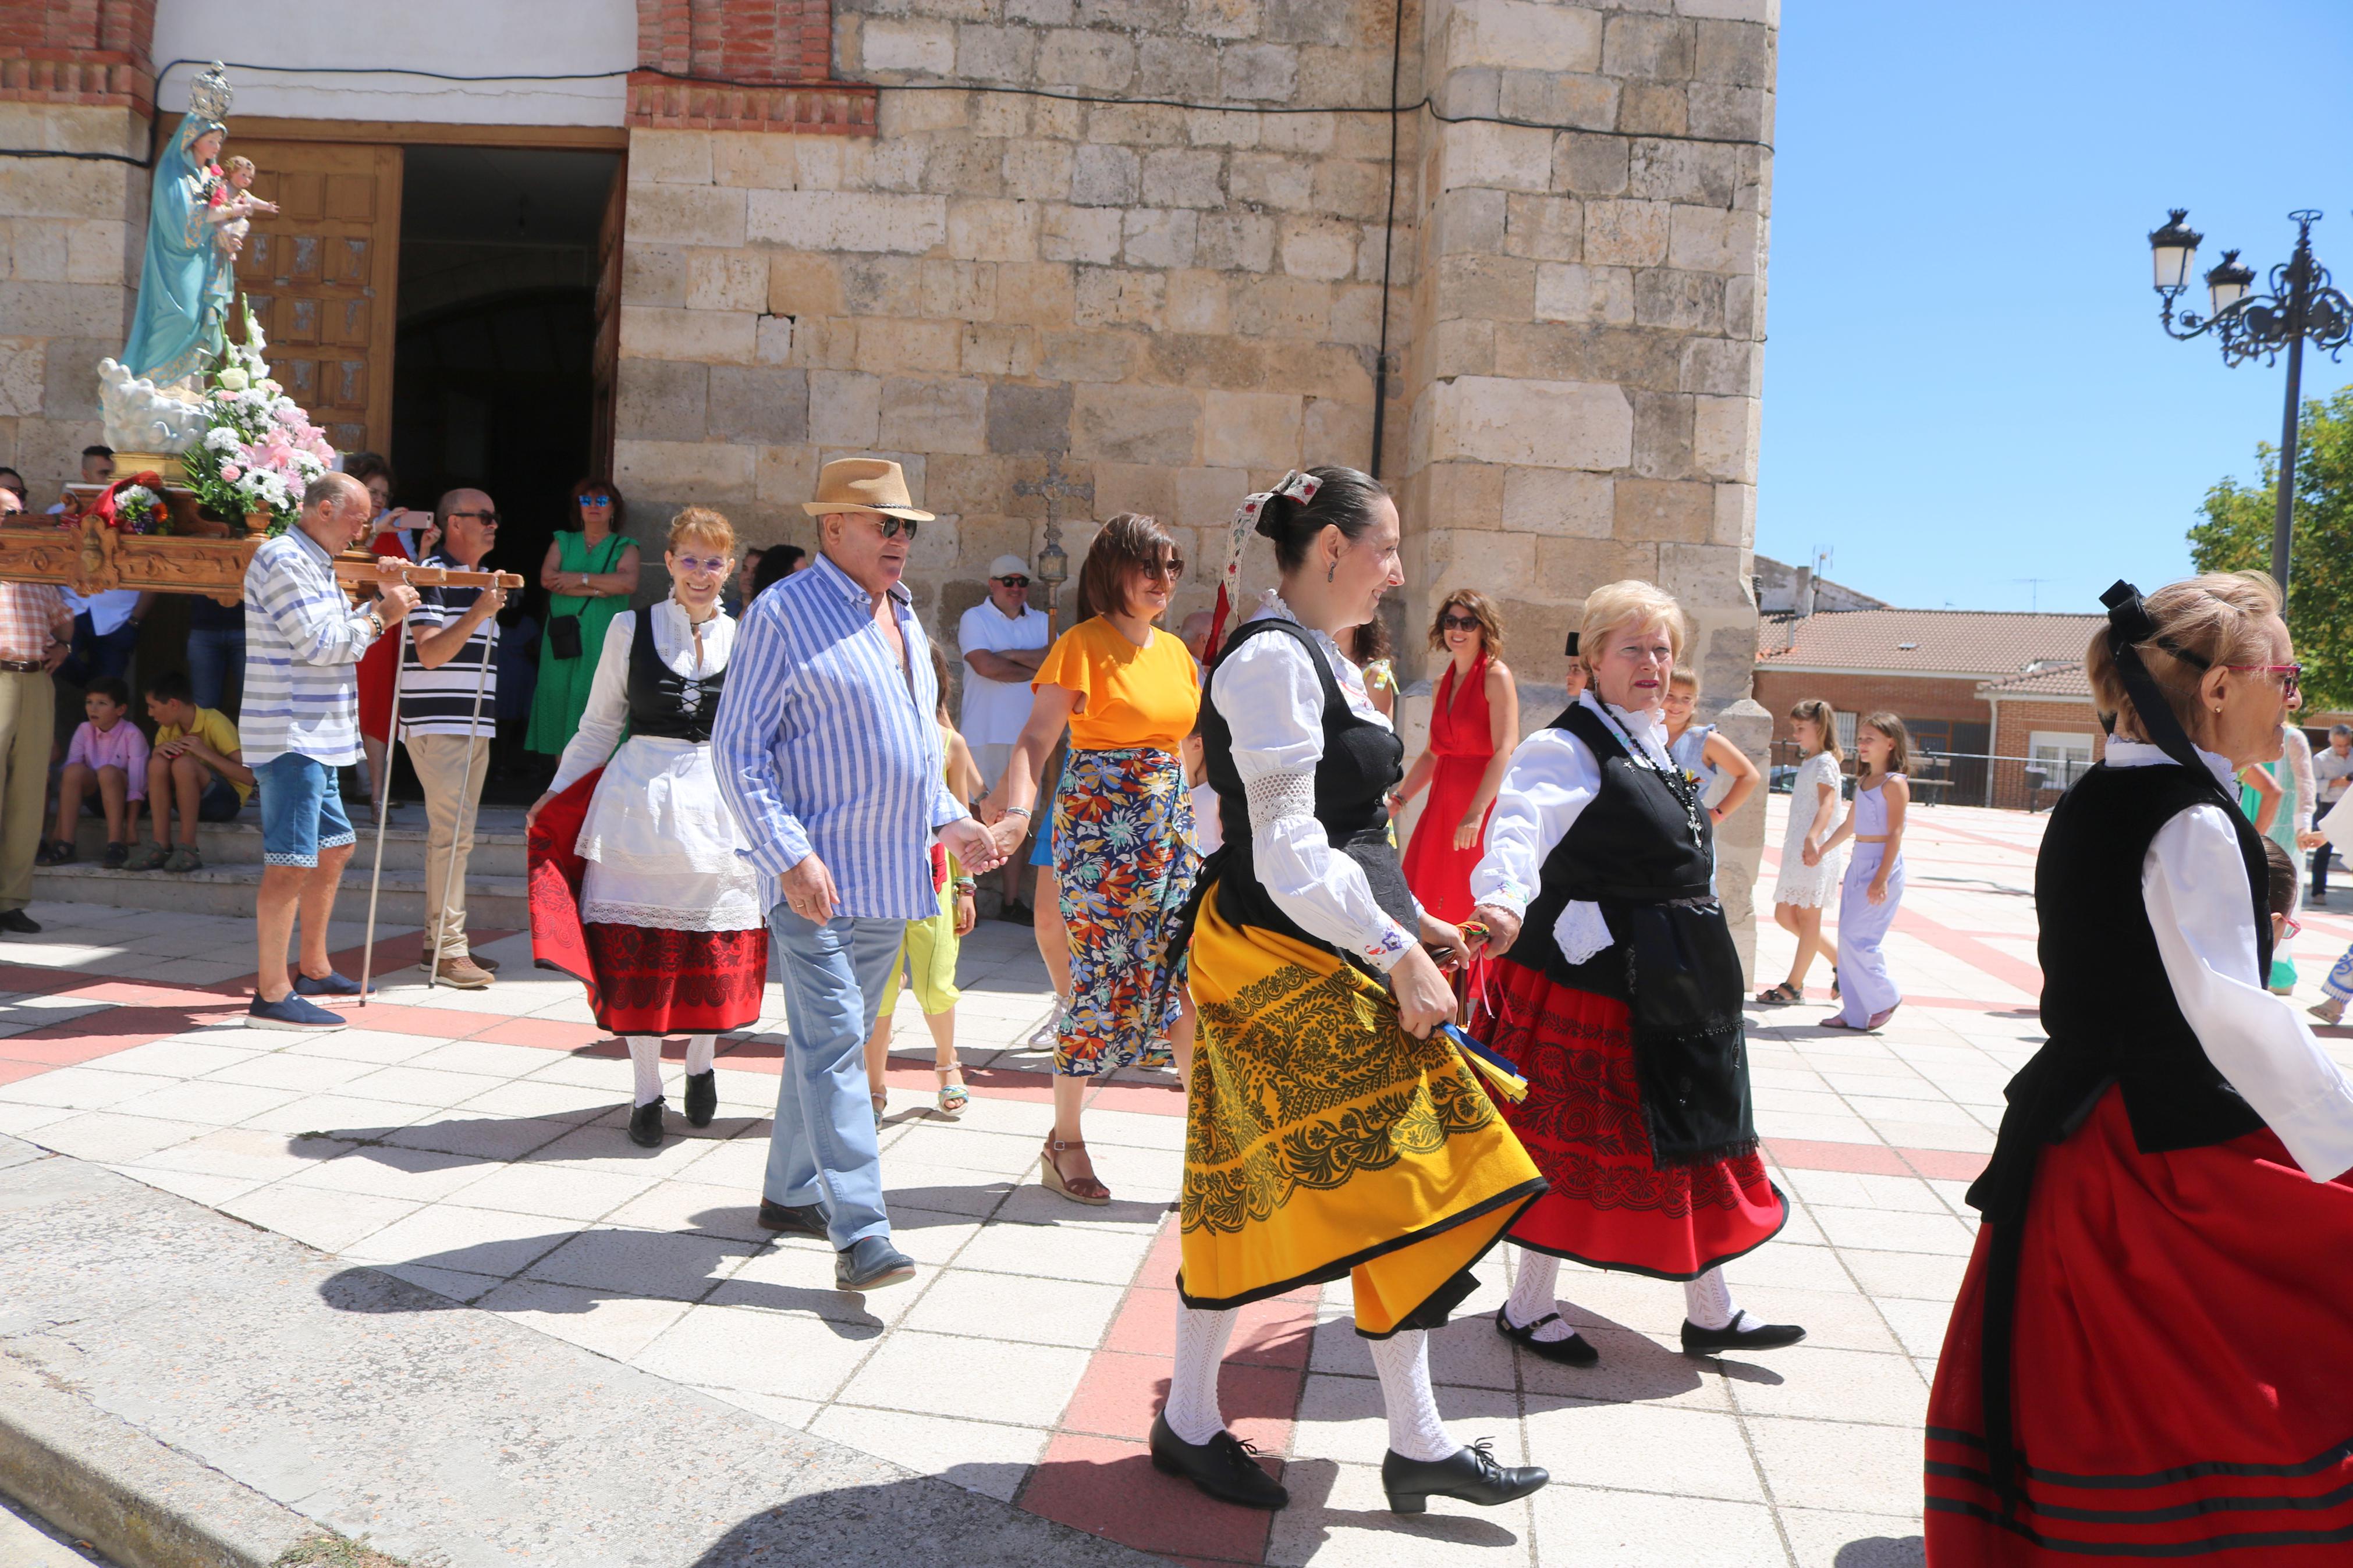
(1053, 570)
(2301, 305)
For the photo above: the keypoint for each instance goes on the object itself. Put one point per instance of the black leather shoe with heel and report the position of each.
(1222, 1467)
(646, 1125)
(1468, 1475)
(701, 1098)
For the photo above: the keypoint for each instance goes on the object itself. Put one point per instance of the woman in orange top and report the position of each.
(1474, 723)
(1122, 832)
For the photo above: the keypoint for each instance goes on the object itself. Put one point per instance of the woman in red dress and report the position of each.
(2152, 1355)
(1619, 994)
(1474, 723)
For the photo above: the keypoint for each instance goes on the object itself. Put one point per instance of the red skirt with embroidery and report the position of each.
(2182, 1364)
(1610, 1204)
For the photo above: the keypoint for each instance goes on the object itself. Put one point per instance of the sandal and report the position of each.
(1780, 996)
(882, 1099)
(1078, 1189)
(1834, 990)
(953, 1097)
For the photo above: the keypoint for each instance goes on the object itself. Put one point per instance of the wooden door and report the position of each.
(322, 277)
(606, 364)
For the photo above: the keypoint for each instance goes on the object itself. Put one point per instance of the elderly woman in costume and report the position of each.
(1618, 996)
(1330, 1131)
(637, 888)
(2151, 1358)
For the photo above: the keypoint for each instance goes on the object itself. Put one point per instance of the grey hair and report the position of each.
(323, 489)
(2337, 730)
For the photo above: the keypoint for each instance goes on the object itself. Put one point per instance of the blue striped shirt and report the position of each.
(302, 646)
(824, 745)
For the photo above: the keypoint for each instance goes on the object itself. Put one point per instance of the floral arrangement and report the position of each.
(137, 508)
(260, 450)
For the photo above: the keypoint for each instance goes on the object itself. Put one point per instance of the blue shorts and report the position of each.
(301, 810)
(219, 802)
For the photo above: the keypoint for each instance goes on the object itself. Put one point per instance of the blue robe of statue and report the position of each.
(185, 283)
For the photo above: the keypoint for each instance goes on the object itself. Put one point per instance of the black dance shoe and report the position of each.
(701, 1098)
(1762, 1337)
(1222, 1467)
(1469, 1475)
(645, 1124)
(1574, 1351)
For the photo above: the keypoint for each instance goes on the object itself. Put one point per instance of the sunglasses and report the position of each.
(1459, 623)
(1015, 582)
(490, 518)
(703, 564)
(893, 527)
(596, 500)
(1167, 570)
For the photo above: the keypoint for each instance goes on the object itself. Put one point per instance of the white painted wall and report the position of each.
(462, 38)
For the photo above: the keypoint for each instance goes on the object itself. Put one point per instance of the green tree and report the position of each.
(2236, 535)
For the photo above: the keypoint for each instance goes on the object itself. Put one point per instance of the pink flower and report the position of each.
(230, 473)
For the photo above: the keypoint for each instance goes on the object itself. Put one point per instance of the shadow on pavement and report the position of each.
(1883, 1552)
(859, 1526)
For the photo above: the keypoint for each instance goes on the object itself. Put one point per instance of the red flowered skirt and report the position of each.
(1610, 1204)
(2181, 1369)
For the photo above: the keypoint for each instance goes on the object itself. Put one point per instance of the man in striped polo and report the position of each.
(829, 752)
(300, 723)
(448, 712)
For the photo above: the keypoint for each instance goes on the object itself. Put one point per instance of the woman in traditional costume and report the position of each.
(638, 887)
(2152, 1356)
(1329, 1132)
(1619, 997)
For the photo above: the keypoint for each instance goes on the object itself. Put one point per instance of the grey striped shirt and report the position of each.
(304, 640)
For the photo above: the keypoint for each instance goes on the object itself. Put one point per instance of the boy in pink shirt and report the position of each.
(108, 754)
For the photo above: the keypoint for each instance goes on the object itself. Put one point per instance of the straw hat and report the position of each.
(863, 484)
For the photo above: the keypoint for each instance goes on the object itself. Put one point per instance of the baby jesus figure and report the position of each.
(233, 204)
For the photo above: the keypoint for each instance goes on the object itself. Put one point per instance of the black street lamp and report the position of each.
(2301, 305)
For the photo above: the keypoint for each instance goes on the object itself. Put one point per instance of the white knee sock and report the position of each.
(700, 1050)
(1192, 1408)
(1415, 1430)
(645, 1056)
(1533, 1296)
(1707, 1301)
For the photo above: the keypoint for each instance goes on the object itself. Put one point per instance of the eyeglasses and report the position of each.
(2290, 928)
(596, 500)
(1459, 623)
(893, 527)
(490, 518)
(1167, 570)
(2291, 676)
(1014, 582)
(703, 564)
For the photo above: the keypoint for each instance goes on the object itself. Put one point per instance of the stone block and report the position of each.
(754, 159)
(1028, 418)
(1648, 48)
(925, 414)
(802, 284)
(1105, 176)
(885, 347)
(1703, 239)
(1353, 188)
(1521, 34)
(1335, 431)
(1273, 180)
(1135, 424)
(1561, 503)
(1543, 227)
(1502, 157)
(23, 376)
(1531, 424)
(1079, 234)
(759, 403)
(883, 285)
(1479, 557)
(1468, 220)
(1327, 22)
(1319, 248)
(844, 408)
(961, 290)
(784, 477)
(1282, 308)
(1222, 19)
(1222, 128)
(727, 281)
(1580, 103)
(1743, 112)
(1664, 510)
(1588, 165)
(996, 350)
(996, 54)
(1566, 570)
(687, 215)
(1492, 288)
(1043, 13)
(1705, 577)
(1183, 178)
(1725, 438)
(1035, 293)
(824, 342)
(653, 275)
(1627, 233)
(1179, 68)
(1469, 94)
(1145, 487)
(920, 45)
(1258, 73)
(1136, 125)
(1088, 356)
(1312, 133)
(1696, 173)
(98, 251)
(1234, 242)
(714, 337)
(1768, 12)
(960, 167)
(991, 230)
(1356, 315)
(1100, 62)
(660, 400)
(1574, 293)
(1114, 297)
(669, 157)
(773, 340)
(1205, 497)
(1199, 302)
(1249, 429)
(1654, 109)
(846, 220)
(1680, 301)
(1737, 53)
(62, 187)
(1736, 516)
(1038, 171)
(68, 378)
(1720, 366)
(685, 470)
(1184, 359)
(1344, 76)
(1663, 436)
(1151, 238)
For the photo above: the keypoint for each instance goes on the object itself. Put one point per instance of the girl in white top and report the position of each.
(1806, 885)
(1873, 889)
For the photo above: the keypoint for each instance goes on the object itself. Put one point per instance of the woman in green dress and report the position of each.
(590, 573)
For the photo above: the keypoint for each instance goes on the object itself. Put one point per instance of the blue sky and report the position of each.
(1964, 381)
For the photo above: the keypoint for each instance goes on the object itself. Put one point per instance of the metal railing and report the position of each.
(1966, 778)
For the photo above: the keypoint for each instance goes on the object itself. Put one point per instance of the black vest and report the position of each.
(1363, 761)
(663, 702)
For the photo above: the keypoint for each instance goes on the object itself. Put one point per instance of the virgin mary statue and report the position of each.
(182, 304)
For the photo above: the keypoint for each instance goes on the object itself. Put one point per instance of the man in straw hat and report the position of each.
(830, 758)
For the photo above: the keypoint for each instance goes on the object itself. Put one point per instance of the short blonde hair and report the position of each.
(1630, 603)
(704, 524)
(2218, 619)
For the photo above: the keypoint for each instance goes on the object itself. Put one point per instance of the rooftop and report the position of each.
(2056, 677)
(1992, 644)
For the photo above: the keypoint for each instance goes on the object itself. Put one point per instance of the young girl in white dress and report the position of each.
(1873, 889)
(1804, 890)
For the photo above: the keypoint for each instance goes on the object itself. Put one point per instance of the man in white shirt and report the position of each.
(1004, 642)
(2332, 771)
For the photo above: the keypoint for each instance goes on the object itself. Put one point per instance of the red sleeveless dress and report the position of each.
(1462, 739)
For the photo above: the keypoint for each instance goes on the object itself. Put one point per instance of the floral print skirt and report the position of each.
(1125, 859)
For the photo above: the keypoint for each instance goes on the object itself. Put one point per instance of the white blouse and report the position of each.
(1552, 778)
(2196, 887)
(608, 712)
(1269, 694)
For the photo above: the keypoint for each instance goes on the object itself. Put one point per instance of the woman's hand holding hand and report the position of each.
(1813, 852)
(1502, 928)
(1424, 999)
(532, 815)
(2309, 839)
(1445, 943)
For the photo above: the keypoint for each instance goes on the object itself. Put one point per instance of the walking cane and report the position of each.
(465, 787)
(382, 813)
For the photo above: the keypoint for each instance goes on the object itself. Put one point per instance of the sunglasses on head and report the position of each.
(1015, 582)
(596, 500)
(702, 563)
(1459, 623)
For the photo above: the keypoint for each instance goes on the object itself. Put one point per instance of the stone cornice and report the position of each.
(823, 108)
(110, 78)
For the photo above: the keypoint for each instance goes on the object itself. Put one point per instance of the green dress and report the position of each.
(563, 692)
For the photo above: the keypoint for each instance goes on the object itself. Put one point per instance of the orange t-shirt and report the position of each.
(1133, 696)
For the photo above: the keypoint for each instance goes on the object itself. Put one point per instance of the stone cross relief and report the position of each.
(1054, 485)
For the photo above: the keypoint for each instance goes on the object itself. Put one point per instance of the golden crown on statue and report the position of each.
(209, 95)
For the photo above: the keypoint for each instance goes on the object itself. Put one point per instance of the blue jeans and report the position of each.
(823, 1149)
(94, 656)
(215, 657)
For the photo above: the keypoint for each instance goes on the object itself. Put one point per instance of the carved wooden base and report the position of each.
(95, 558)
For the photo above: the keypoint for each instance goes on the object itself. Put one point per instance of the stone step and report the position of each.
(499, 841)
(230, 887)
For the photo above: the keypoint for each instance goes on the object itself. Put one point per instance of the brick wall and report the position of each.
(1912, 697)
(93, 53)
(2016, 723)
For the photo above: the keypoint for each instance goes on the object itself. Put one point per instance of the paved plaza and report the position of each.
(473, 1144)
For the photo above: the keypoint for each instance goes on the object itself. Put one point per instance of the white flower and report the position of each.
(232, 378)
(221, 438)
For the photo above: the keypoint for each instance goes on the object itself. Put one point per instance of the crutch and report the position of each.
(383, 811)
(465, 788)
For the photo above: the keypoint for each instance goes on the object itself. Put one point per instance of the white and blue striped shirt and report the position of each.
(302, 646)
(824, 745)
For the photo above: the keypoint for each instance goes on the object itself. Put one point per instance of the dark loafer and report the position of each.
(1574, 1351)
(1468, 1475)
(870, 1264)
(1715, 1342)
(20, 922)
(646, 1125)
(331, 983)
(701, 1098)
(1222, 1467)
(797, 1219)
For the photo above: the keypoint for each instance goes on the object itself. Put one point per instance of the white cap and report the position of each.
(1008, 566)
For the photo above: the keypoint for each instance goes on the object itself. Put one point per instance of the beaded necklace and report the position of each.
(1679, 785)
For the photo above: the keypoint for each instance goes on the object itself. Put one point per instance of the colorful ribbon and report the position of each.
(1297, 485)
